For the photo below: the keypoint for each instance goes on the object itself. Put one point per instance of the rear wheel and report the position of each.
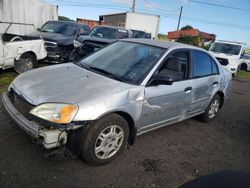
(26, 62)
(212, 109)
(105, 139)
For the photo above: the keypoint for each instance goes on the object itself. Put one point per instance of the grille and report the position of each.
(21, 104)
(50, 46)
(89, 47)
(222, 61)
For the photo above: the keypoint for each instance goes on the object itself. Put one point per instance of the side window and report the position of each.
(214, 67)
(176, 65)
(202, 64)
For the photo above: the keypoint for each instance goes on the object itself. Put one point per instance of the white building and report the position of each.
(35, 12)
(136, 21)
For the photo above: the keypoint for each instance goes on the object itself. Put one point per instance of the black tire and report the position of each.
(243, 66)
(206, 116)
(91, 141)
(26, 62)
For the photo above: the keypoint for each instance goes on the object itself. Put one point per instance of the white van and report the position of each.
(228, 53)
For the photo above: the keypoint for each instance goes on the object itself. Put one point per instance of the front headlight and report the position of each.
(57, 113)
(76, 43)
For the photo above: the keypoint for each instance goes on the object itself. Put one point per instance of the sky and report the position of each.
(227, 19)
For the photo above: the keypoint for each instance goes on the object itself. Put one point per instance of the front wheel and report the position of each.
(105, 139)
(26, 62)
(212, 109)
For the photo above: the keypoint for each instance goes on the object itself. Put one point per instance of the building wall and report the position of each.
(117, 20)
(35, 12)
(143, 22)
(91, 23)
(173, 35)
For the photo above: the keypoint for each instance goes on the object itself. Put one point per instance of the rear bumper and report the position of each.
(50, 138)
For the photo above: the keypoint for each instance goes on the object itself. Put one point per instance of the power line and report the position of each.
(69, 2)
(219, 5)
(156, 7)
(116, 7)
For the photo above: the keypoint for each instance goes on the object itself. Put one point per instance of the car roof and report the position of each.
(113, 27)
(71, 22)
(159, 43)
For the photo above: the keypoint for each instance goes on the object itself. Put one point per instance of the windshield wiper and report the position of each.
(102, 71)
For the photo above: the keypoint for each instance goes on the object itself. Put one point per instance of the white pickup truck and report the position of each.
(18, 49)
(228, 53)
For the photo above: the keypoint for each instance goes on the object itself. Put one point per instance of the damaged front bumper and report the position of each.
(49, 137)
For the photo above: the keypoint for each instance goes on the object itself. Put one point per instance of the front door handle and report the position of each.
(215, 83)
(187, 89)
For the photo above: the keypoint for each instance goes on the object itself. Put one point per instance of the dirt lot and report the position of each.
(167, 157)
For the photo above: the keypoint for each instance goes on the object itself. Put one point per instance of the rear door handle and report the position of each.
(187, 89)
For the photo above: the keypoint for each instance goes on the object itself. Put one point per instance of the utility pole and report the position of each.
(133, 6)
(179, 19)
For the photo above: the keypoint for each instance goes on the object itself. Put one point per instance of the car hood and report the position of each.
(60, 39)
(66, 83)
(224, 56)
(95, 39)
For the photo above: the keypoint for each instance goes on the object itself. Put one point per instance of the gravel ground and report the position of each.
(167, 157)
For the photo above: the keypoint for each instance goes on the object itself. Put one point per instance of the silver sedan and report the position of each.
(126, 89)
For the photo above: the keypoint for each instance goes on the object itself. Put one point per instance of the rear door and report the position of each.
(206, 81)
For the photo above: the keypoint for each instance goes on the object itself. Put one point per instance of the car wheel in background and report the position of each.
(243, 66)
(26, 62)
(105, 139)
(212, 109)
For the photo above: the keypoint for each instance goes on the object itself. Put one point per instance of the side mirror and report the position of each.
(161, 80)
(38, 29)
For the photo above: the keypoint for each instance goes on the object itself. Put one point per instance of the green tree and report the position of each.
(187, 27)
(63, 18)
(196, 41)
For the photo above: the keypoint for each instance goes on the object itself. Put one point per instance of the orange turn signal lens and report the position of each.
(66, 114)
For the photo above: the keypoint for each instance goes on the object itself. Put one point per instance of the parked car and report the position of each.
(99, 37)
(59, 37)
(245, 62)
(123, 90)
(228, 53)
(17, 49)
(140, 34)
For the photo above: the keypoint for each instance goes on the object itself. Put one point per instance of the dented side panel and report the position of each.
(128, 101)
(165, 104)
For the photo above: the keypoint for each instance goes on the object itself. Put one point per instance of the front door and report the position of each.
(164, 104)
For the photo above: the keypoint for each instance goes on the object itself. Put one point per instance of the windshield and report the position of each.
(109, 33)
(124, 61)
(60, 27)
(231, 49)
